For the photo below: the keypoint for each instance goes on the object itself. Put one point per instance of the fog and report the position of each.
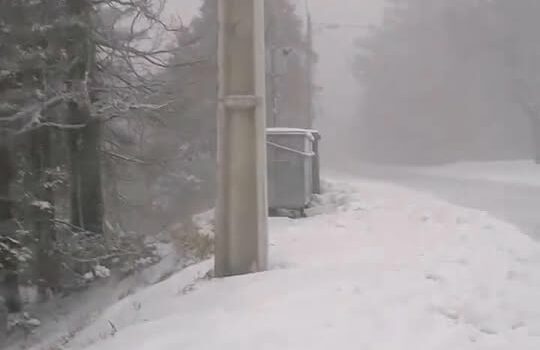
(336, 28)
(110, 174)
(338, 103)
(431, 83)
(464, 108)
(490, 121)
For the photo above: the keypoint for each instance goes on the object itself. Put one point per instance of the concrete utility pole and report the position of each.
(241, 237)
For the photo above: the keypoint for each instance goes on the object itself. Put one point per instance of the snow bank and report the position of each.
(516, 172)
(378, 268)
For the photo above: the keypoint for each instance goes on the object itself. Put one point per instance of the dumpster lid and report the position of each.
(293, 131)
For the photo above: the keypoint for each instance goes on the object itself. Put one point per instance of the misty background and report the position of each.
(108, 120)
(437, 90)
(336, 27)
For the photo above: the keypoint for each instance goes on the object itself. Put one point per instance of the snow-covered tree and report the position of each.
(67, 69)
(435, 86)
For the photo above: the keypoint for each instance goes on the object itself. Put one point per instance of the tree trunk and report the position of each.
(10, 286)
(42, 213)
(3, 322)
(533, 113)
(6, 174)
(86, 184)
(85, 155)
(535, 121)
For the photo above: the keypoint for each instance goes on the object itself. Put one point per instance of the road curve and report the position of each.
(515, 203)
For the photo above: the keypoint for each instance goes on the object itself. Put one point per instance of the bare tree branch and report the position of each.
(125, 158)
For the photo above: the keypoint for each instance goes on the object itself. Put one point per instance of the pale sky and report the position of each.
(184, 9)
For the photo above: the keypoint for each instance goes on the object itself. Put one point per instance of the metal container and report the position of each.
(316, 164)
(290, 168)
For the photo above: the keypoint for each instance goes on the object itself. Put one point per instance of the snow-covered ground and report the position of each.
(524, 172)
(374, 267)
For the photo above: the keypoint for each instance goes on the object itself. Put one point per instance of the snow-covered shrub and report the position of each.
(89, 257)
(194, 238)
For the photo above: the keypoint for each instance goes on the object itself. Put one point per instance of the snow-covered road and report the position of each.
(509, 197)
(375, 267)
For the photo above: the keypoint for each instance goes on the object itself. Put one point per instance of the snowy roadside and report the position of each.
(523, 172)
(375, 267)
(60, 319)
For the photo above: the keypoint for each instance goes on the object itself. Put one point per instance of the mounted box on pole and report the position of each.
(241, 223)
